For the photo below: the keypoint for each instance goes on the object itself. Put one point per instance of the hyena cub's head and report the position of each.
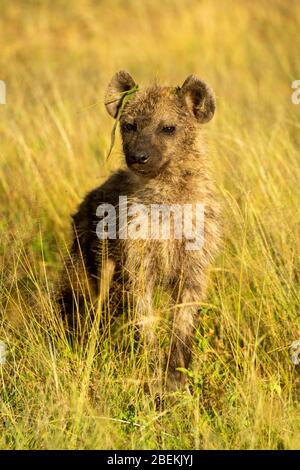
(159, 125)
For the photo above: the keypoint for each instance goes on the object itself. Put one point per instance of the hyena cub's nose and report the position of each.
(140, 158)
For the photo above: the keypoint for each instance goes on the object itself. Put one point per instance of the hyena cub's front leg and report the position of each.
(142, 281)
(141, 290)
(185, 321)
(148, 333)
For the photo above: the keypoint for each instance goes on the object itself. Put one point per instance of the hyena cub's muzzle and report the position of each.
(143, 159)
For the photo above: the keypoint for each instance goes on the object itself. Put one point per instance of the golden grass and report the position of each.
(56, 58)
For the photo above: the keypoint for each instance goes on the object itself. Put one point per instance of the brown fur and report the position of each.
(176, 172)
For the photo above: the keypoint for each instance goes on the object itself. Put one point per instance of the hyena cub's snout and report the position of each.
(138, 158)
(143, 152)
(138, 150)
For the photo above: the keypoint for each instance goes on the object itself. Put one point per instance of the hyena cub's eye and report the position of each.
(128, 127)
(168, 129)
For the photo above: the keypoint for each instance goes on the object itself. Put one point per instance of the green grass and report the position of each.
(57, 58)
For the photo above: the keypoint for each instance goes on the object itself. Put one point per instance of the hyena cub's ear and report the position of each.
(199, 98)
(120, 82)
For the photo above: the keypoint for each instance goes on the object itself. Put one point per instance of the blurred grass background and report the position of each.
(56, 59)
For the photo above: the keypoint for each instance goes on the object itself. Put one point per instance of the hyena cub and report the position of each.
(149, 233)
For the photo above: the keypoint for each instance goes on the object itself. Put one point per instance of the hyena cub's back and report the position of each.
(160, 235)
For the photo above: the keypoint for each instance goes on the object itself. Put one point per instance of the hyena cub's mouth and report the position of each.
(151, 172)
(137, 169)
(142, 171)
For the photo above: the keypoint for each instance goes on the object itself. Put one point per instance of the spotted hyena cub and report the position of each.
(153, 223)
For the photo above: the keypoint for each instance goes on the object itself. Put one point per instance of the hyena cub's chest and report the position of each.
(159, 237)
(155, 237)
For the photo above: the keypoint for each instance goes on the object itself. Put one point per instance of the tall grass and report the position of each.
(56, 59)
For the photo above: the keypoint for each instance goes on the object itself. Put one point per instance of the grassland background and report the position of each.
(56, 58)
